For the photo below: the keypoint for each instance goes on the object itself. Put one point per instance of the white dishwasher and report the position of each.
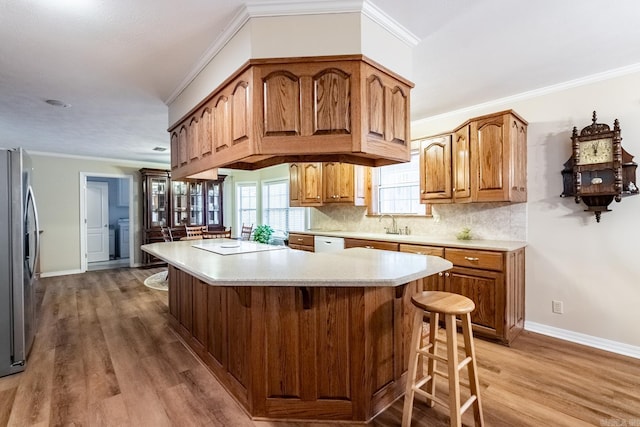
(328, 244)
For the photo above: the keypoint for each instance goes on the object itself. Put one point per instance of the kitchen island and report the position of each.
(297, 335)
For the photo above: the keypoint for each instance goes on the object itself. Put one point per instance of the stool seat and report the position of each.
(443, 302)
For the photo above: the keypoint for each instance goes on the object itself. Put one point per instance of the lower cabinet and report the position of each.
(304, 242)
(493, 280)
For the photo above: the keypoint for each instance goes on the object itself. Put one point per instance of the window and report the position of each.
(276, 211)
(398, 187)
(247, 203)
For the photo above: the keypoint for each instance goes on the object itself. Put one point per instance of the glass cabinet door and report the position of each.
(180, 203)
(214, 216)
(195, 204)
(158, 205)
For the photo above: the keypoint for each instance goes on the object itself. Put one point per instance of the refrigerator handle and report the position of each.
(36, 252)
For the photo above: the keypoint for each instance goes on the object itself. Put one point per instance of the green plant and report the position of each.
(262, 233)
(465, 234)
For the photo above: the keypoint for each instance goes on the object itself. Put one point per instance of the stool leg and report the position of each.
(454, 374)
(472, 367)
(434, 318)
(416, 343)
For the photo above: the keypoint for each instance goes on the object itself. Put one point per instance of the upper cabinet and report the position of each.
(317, 184)
(346, 109)
(499, 158)
(484, 160)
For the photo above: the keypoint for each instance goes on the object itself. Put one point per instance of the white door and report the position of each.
(97, 221)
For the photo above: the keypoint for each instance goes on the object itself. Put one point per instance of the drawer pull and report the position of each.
(419, 253)
(300, 240)
(471, 258)
(369, 247)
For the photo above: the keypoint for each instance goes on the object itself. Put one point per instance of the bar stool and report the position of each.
(449, 305)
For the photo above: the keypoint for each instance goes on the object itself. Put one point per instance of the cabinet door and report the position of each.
(461, 163)
(486, 290)
(435, 169)
(338, 186)
(498, 158)
(196, 203)
(295, 190)
(179, 203)
(518, 162)
(213, 200)
(311, 184)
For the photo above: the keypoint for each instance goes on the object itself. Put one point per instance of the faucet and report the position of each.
(394, 225)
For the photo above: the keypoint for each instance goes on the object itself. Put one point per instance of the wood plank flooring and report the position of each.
(104, 355)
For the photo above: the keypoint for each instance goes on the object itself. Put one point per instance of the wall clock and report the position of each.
(599, 170)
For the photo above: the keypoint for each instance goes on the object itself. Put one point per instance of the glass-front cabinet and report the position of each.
(176, 204)
(179, 203)
(214, 203)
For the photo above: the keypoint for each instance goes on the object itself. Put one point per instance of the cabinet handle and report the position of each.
(470, 258)
(300, 240)
(317, 197)
(441, 274)
(369, 247)
(419, 253)
(446, 274)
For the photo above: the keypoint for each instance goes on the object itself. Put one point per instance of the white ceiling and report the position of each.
(117, 61)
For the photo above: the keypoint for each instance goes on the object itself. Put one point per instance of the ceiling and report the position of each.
(118, 61)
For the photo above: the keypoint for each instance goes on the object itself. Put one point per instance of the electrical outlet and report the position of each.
(556, 307)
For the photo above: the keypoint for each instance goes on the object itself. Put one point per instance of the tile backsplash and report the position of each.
(487, 221)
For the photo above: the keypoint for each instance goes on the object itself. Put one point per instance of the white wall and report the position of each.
(56, 182)
(593, 268)
(294, 36)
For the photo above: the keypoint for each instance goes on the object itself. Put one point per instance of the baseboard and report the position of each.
(60, 273)
(588, 340)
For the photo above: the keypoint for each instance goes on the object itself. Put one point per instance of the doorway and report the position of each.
(106, 221)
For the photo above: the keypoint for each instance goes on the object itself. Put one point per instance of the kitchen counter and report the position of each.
(496, 245)
(294, 335)
(286, 267)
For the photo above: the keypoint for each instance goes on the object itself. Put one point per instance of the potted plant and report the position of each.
(262, 233)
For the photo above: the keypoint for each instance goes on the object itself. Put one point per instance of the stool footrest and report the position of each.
(467, 404)
(432, 356)
(431, 397)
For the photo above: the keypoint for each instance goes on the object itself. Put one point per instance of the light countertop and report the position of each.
(496, 245)
(355, 267)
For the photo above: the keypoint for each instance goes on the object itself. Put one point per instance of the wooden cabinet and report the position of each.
(493, 280)
(315, 353)
(167, 203)
(370, 244)
(289, 110)
(316, 184)
(499, 158)
(303, 242)
(484, 160)
(305, 184)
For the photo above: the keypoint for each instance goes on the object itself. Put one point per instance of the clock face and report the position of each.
(596, 151)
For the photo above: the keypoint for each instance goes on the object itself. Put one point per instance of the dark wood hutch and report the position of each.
(174, 204)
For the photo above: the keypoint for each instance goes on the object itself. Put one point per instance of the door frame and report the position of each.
(83, 211)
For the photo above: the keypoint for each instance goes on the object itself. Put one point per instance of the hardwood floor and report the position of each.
(104, 355)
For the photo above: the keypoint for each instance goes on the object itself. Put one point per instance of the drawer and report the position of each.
(486, 260)
(373, 244)
(422, 250)
(301, 239)
(301, 247)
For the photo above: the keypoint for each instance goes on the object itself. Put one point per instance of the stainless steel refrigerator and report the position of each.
(19, 247)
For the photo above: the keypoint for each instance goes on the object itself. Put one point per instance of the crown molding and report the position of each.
(269, 9)
(582, 81)
(137, 163)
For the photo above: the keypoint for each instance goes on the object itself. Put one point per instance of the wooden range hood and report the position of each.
(313, 109)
